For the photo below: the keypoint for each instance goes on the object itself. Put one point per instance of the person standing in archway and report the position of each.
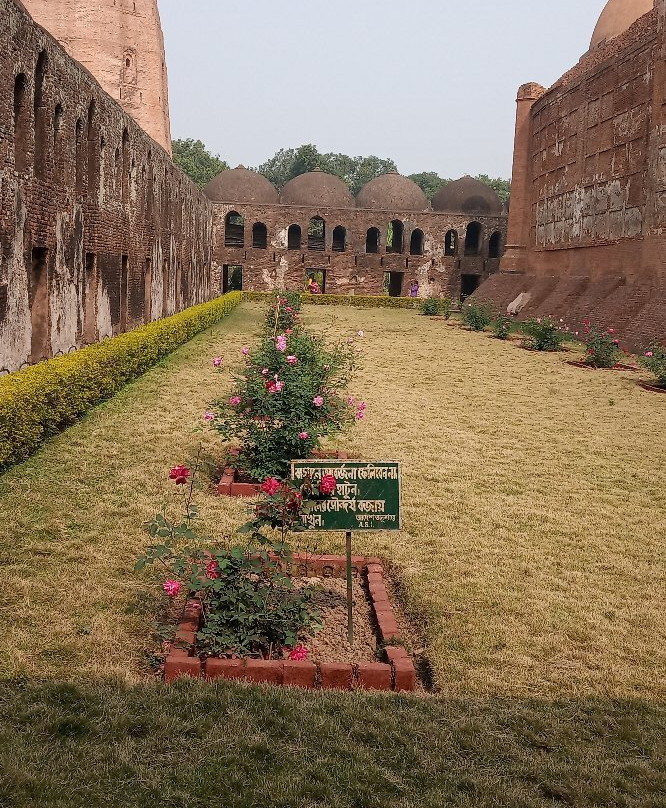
(414, 289)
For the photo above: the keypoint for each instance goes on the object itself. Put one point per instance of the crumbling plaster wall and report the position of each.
(99, 231)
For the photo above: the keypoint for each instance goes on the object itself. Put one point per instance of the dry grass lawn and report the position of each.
(533, 548)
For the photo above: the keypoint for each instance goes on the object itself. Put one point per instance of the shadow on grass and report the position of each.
(106, 743)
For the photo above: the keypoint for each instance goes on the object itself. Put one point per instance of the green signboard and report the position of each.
(366, 497)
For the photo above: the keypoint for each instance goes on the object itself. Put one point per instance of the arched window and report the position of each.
(259, 236)
(21, 123)
(473, 238)
(234, 230)
(39, 115)
(339, 239)
(416, 243)
(93, 152)
(125, 166)
(372, 241)
(451, 243)
(495, 245)
(394, 237)
(317, 234)
(294, 237)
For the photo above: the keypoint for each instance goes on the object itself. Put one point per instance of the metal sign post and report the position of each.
(366, 498)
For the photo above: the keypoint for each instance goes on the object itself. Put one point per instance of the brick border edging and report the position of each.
(397, 674)
(228, 487)
(653, 388)
(586, 366)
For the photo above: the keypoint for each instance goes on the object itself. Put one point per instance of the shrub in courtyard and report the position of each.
(39, 401)
(430, 306)
(654, 359)
(250, 606)
(283, 313)
(446, 307)
(502, 325)
(544, 334)
(288, 397)
(477, 315)
(602, 346)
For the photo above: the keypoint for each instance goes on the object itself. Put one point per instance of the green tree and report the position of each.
(196, 161)
(501, 187)
(429, 182)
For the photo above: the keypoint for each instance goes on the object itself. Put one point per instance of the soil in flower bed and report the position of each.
(331, 643)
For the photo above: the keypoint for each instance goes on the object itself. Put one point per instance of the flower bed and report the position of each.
(356, 301)
(397, 673)
(653, 388)
(587, 366)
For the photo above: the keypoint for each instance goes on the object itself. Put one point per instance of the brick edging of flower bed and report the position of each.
(229, 487)
(651, 387)
(397, 673)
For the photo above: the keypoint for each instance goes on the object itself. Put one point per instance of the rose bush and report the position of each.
(654, 359)
(477, 316)
(544, 334)
(287, 398)
(602, 346)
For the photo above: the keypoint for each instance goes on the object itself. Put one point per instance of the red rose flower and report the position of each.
(270, 486)
(179, 474)
(212, 570)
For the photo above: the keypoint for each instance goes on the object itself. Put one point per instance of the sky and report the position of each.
(429, 83)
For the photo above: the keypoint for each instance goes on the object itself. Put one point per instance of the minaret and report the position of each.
(122, 45)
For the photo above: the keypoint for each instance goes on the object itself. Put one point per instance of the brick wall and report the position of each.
(353, 270)
(99, 231)
(590, 223)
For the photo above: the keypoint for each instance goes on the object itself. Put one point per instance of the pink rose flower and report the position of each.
(292, 360)
(649, 354)
(275, 387)
(363, 406)
(209, 416)
(179, 474)
(264, 372)
(271, 486)
(318, 401)
(360, 415)
(234, 401)
(351, 401)
(327, 485)
(303, 435)
(245, 351)
(361, 334)
(217, 362)
(172, 588)
(299, 654)
(281, 343)
(611, 330)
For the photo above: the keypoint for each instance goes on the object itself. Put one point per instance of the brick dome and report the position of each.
(392, 192)
(617, 17)
(241, 185)
(317, 189)
(468, 196)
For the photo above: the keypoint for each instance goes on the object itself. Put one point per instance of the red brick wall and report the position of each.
(99, 232)
(591, 222)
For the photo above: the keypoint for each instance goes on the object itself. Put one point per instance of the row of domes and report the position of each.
(321, 190)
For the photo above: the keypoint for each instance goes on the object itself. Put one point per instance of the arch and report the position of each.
(416, 242)
(451, 243)
(21, 123)
(495, 245)
(473, 238)
(339, 239)
(317, 234)
(234, 230)
(39, 118)
(372, 241)
(395, 235)
(259, 236)
(294, 237)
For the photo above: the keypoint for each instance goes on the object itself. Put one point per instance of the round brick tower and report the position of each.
(121, 44)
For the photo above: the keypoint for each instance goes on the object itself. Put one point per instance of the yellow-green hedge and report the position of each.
(358, 301)
(40, 400)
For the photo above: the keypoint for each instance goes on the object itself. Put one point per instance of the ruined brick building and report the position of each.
(384, 239)
(587, 221)
(99, 231)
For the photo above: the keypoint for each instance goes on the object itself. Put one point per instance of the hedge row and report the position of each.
(358, 301)
(41, 400)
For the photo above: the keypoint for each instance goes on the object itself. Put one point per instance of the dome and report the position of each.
(241, 185)
(391, 192)
(468, 196)
(317, 189)
(617, 17)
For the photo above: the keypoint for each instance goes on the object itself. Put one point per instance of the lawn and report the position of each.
(532, 559)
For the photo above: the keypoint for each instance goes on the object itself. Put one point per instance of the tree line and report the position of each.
(199, 164)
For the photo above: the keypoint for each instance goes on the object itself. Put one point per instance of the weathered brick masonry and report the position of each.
(99, 231)
(588, 206)
(447, 250)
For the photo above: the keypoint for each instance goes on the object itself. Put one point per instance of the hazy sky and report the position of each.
(430, 83)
